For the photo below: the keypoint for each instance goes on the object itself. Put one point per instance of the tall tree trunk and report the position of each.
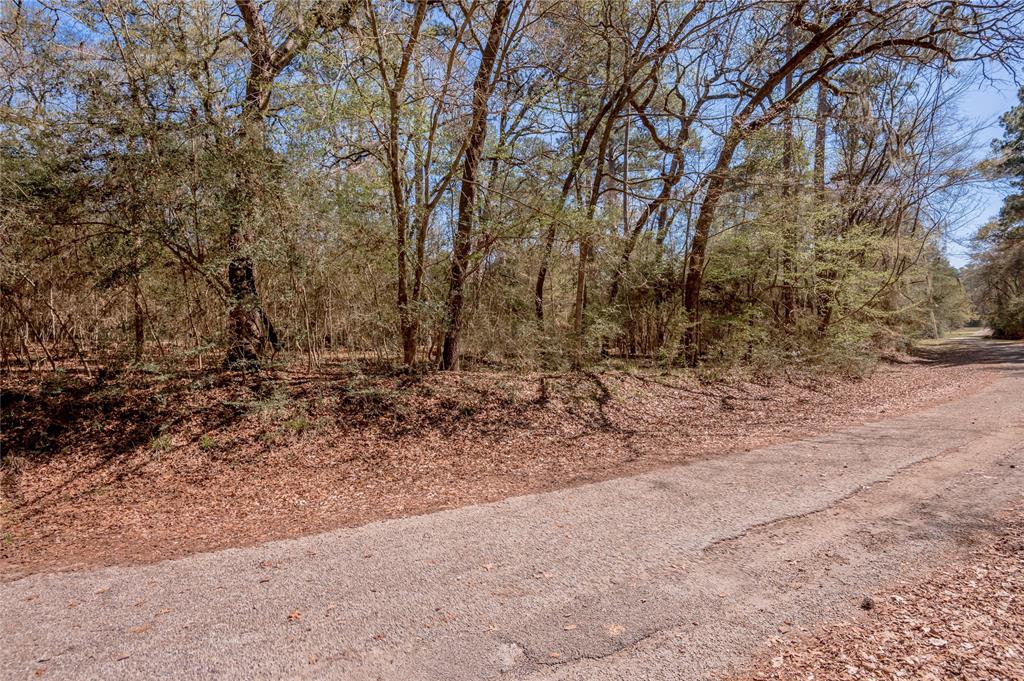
(406, 323)
(422, 224)
(483, 85)
(931, 301)
(542, 273)
(825, 277)
(251, 334)
(789, 240)
(689, 348)
(580, 302)
(138, 323)
(138, 311)
(586, 245)
(820, 129)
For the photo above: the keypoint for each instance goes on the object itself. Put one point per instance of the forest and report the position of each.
(995, 276)
(515, 183)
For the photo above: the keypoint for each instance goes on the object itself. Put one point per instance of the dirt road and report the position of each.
(674, 574)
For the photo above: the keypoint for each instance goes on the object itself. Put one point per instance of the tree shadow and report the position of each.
(974, 350)
(108, 425)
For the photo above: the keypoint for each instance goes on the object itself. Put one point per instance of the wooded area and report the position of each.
(995, 277)
(523, 182)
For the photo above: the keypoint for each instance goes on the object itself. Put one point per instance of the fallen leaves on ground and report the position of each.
(147, 467)
(966, 621)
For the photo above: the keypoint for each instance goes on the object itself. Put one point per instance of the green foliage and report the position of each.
(996, 274)
(1007, 319)
(137, 173)
(298, 425)
(161, 443)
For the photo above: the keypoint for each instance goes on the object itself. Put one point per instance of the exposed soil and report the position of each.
(144, 467)
(966, 621)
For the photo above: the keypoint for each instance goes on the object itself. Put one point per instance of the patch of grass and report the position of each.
(54, 384)
(966, 332)
(709, 374)
(161, 443)
(207, 442)
(272, 437)
(368, 398)
(161, 374)
(506, 392)
(298, 425)
(270, 407)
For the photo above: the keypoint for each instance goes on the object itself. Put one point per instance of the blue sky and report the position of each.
(982, 103)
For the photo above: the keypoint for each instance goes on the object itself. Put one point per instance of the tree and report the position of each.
(846, 34)
(996, 273)
(538, 183)
(252, 332)
(483, 86)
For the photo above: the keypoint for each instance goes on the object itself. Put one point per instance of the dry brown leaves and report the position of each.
(964, 622)
(150, 467)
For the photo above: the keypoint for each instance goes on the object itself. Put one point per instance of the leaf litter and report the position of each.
(964, 621)
(143, 468)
